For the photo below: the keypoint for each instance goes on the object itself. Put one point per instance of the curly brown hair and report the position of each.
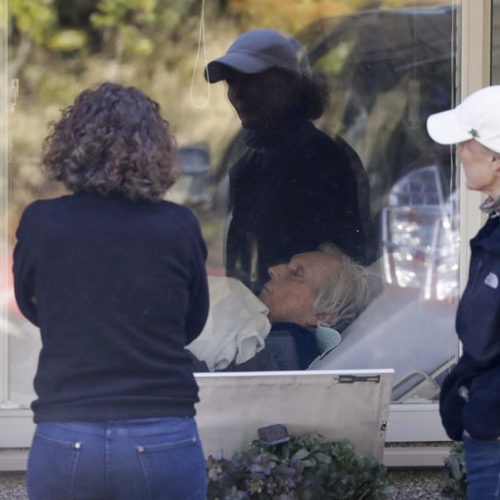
(113, 139)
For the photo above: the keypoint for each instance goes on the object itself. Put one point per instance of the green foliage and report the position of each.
(75, 14)
(126, 21)
(456, 485)
(35, 19)
(117, 13)
(68, 40)
(306, 468)
(123, 27)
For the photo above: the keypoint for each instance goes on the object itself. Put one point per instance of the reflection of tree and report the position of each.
(33, 21)
(57, 47)
(113, 27)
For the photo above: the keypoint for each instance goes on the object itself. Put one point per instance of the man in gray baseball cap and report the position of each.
(294, 188)
(259, 50)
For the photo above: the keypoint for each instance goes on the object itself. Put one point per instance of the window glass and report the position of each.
(386, 69)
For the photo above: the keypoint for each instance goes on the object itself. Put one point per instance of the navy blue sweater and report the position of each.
(117, 288)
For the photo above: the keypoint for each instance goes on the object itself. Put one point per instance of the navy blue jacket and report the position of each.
(118, 288)
(291, 191)
(289, 346)
(470, 395)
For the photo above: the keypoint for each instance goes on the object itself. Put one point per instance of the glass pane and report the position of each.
(386, 68)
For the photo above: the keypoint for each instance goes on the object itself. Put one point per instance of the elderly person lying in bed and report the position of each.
(296, 317)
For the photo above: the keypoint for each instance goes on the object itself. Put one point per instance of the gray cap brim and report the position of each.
(217, 70)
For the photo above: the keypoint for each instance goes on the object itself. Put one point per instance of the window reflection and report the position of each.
(387, 70)
(294, 187)
(420, 235)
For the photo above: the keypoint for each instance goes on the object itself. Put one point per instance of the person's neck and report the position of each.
(492, 203)
(272, 134)
(493, 193)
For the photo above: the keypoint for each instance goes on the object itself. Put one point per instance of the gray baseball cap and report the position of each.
(259, 50)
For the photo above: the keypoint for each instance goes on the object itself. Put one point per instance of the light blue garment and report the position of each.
(327, 338)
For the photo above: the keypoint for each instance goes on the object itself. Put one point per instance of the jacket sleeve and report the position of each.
(199, 299)
(470, 400)
(451, 402)
(482, 411)
(279, 354)
(24, 270)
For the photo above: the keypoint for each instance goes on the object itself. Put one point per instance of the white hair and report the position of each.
(344, 292)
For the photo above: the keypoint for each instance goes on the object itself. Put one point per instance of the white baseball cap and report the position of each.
(476, 117)
(259, 50)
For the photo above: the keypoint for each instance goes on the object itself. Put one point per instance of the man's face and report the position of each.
(261, 99)
(291, 291)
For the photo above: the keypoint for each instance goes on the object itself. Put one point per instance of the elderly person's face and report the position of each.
(481, 167)
(261, 99)
(291, 291)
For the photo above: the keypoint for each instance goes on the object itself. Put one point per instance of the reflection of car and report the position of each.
(387, 70)
(420, 237)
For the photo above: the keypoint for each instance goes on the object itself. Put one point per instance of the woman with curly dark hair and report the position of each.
(114, 277)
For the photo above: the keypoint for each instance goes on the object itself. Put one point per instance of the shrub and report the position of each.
(308, 468)
(456, 486)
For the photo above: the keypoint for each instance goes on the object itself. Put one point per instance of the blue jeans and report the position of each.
(482, 465)
(154, 458)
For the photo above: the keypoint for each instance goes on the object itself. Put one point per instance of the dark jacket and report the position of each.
(470, 395)
(289, 346)
(119, 289)
(290, 192)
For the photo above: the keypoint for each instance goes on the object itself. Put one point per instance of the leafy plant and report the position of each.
(308, 468)
(456, 485)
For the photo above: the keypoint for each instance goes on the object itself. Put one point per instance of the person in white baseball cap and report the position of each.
(295, 187)
(470, 395)
(477, 117)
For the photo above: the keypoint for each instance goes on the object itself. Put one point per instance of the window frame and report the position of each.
(407, 422)
(4, 183)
